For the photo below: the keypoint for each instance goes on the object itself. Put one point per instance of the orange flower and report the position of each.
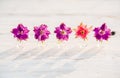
(82, 31)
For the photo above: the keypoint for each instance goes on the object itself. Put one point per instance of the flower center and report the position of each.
(20, 32)
(102, 32)
(82, 32)
(41, 32)
(63, 32)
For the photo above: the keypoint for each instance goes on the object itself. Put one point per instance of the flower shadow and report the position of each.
(52, 69)
(8, 53)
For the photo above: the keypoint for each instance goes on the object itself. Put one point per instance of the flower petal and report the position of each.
(62, 26)
(69, 30)
(103, 27)
(57, 30)
(15, 31)
(98, 36)
(24, 37)
(96, 29)
(44, 37)
(43, 27)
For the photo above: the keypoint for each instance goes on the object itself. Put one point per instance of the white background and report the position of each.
(68, 60)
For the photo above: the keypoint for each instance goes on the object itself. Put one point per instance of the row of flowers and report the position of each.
(41, 33)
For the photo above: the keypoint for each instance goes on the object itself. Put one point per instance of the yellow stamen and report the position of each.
(82, 32)
(41, 32)
(63, 32)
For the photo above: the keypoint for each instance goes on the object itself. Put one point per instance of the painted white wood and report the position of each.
(65, 60)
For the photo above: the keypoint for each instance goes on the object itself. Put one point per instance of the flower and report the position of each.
(41, 32)
(21, 32)
(62, 32)
(102, 32)
(82, 31)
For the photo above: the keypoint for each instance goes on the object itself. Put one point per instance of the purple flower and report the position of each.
(62, 32)
(41, 32)
(102, 32)
(21, 32)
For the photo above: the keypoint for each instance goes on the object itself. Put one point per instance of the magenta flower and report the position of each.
(62, 32)
(41, 32)
(102, 32)
(21, 32)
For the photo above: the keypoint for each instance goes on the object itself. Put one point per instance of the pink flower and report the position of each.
(41, 32)
(62, 32)
(21, 32)
(102, 32)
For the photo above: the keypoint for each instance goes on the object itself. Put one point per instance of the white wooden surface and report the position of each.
(67, 60)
